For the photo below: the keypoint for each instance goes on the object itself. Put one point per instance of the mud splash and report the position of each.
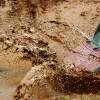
(39, 33)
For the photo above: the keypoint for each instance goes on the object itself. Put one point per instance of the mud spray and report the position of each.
(35, 38)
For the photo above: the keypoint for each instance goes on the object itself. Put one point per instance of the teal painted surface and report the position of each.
(95, 40)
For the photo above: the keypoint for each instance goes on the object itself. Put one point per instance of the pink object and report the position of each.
(84, 56)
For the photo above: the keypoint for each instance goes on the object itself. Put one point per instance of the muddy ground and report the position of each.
(34, 32)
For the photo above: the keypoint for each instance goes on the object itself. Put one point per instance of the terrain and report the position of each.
(35, 36)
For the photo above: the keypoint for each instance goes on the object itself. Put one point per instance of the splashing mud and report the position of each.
(35, 36)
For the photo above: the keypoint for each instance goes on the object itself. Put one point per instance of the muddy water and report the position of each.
(12, 71)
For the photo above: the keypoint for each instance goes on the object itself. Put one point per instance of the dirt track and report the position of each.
(20, 20)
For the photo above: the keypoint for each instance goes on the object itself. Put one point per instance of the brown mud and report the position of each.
(35, 36)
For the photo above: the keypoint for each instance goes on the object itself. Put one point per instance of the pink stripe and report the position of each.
(82, 57)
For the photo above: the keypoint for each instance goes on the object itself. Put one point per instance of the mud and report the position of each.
(34, 38)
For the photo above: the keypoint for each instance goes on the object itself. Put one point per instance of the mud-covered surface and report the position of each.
(34, 32)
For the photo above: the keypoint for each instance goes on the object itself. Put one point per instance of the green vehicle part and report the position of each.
(95, 40)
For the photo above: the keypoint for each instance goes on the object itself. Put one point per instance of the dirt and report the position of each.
(34, 32)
